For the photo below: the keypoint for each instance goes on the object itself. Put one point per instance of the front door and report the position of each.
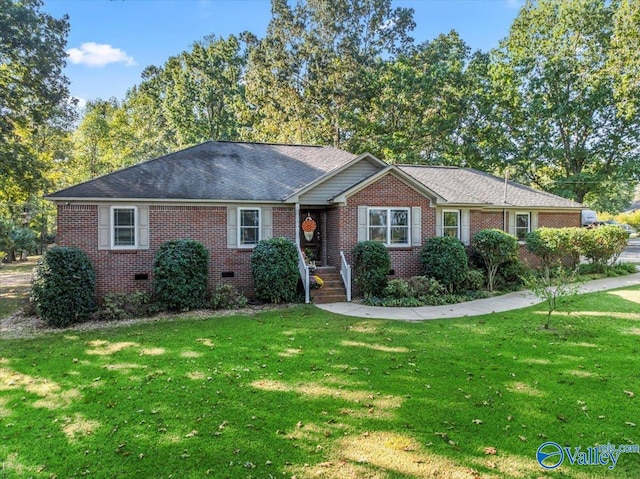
(311, 235)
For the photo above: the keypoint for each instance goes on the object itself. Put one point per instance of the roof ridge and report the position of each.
(267, 143)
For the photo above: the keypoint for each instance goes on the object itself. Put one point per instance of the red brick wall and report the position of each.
(560, 220)
(115, 270)
(387, 191)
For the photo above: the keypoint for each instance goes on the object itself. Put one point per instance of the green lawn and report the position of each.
(300, 392)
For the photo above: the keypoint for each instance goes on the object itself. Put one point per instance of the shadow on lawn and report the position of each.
(301, 392)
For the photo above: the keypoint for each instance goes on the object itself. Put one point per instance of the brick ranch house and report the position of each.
(230, 195)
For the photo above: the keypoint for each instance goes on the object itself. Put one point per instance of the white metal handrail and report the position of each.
(345, 273)
(304, 275)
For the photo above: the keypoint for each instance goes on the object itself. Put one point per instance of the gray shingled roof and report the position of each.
(469, 186)
(217, 170)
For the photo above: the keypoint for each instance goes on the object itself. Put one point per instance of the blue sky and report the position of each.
(112, 41)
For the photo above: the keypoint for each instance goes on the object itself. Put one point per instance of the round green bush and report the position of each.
(475, 280)
(371, 263)
(274, 264)
(445, 259)
(180, 273)
(63, 287)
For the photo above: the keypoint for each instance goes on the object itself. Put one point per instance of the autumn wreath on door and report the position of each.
(309, 227)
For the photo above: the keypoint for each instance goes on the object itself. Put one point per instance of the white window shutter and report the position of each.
(534, 220)
(362, 223)
(465, 228)
(512, 223)
(232, 227)
(267, 223)
(104, 227)
(438, 222)
(143, 227)
(416, 226)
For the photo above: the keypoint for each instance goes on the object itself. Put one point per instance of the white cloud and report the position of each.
(98, 55)
(515, 4)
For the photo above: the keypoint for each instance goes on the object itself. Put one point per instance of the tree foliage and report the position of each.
(556, 101)
(33, 93)
(311, 74)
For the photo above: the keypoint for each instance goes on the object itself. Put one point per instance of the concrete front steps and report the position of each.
(333, 290)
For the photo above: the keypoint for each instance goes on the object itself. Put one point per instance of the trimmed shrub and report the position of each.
(572, 243)
(428, 290)
(603, 245)
(371, 264)
(475, 280)
(227, 296)
(180, 270)
(118, 306)
(63, 287)
(445, 259)
(274, 263)
(495, 247)
(548, 244)
(397, 289)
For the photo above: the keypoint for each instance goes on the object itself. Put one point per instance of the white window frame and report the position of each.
(458, 227)
(112, 226)
(388, 226)
(515, 224)
(240, 227)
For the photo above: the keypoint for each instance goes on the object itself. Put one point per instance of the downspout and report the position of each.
(504, 220)
(296, 224)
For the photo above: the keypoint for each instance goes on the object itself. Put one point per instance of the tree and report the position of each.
(553, 289)
(307, 78)
(624, 56)
(205, 95)
(420, 103)
(33, 92)
(495, 247)
(555, 100)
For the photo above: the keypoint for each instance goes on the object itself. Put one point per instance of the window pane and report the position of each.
(399, 235)
(399, 218)
(249, 235)
(250, 218)
(123, 217)
(450, 232)
(450, 218)
(377, 217)
(124, 237)
(522, 221)
(378, 234)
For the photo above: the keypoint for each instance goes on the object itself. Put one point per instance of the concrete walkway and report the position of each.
(507, 302)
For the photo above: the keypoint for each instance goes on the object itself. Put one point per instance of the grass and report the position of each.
(14, 290)
(300, 392)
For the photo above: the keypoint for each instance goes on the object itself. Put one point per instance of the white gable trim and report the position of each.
(295, 197)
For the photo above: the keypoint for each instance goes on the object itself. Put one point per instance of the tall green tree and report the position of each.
(307, 79)
(422, 105)
(555, 100)
(624, 56)
(33, 92)
(205, 95)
